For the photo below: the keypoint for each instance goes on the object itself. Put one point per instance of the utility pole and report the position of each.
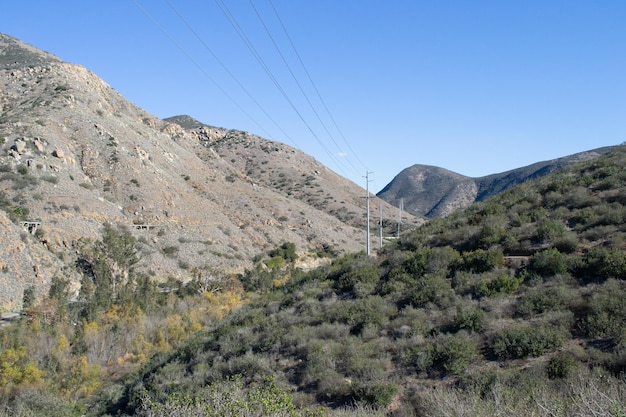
(400, 216)
(380, 223)
(367, 213)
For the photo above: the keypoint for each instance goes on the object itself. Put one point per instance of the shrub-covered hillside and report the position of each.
(515, 306)
(517, 303)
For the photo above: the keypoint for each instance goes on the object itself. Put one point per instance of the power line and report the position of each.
(304, 94)
(186, 23)
(319, 96)
(195, 63)
(240, 31)
(257, 56)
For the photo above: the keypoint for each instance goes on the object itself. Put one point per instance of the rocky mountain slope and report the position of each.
(75, 155)
(431, 192)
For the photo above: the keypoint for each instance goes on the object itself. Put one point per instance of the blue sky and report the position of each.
(477, 87)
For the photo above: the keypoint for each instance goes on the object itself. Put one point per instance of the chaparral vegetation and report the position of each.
(513, 306)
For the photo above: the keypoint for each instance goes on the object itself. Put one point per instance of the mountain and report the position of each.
(431, 192)
(76, 155)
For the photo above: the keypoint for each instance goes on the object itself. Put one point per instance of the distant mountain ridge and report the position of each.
(430, 192)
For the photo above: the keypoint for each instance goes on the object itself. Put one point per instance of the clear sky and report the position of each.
(477, 87)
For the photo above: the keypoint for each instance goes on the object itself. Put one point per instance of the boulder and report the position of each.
(39, 145)
(20, 146)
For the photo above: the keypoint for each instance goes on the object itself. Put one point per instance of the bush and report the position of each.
(548, 262)
(469, 319)
(275, 262)
(606, 312)
(602, 263)
(455, 352)
(361, 281)
(501, 284)
(568, 243)
(490, 234)
(442, 260)
(542, 300)
(416, 264)
(421, 357)
(523, 340)
(560, 365)
(480, 260)
(370, 311)
(378, 394)
(38, 402)
(431, 288)
(550, 230)
(287, 251)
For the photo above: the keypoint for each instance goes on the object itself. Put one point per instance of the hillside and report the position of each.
(514, 304)
(431, 192)
(76, 155)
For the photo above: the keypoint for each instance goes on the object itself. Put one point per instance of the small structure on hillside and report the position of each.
(30, 227)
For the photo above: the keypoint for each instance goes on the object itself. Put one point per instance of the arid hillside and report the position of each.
(75, 155)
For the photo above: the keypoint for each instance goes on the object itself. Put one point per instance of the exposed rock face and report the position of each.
(75, 155)
(436, 192)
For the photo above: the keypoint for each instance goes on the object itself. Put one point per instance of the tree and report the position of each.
(287, 251)
(109, 264)
(28, 299)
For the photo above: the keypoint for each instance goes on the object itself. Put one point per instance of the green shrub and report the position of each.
(420, 358)
(417, 263)
(455, 352)
(601, 264)
(287, 251)
(560, 365)
(568, 243)
(50, 178)
(542, 300)
(442, 260)
(226, 398)
(19, 213)
(548, 262)
(360, 313)
(550, 230)
(606, 312)
(470, 319)
(490, 234)
(410, 322)
(524, 340)
(501, 284)
(29, 297)
(32, 401)
(360, 281)
(431, 288)
(378, 394)
(275, 262)
(481, 260)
